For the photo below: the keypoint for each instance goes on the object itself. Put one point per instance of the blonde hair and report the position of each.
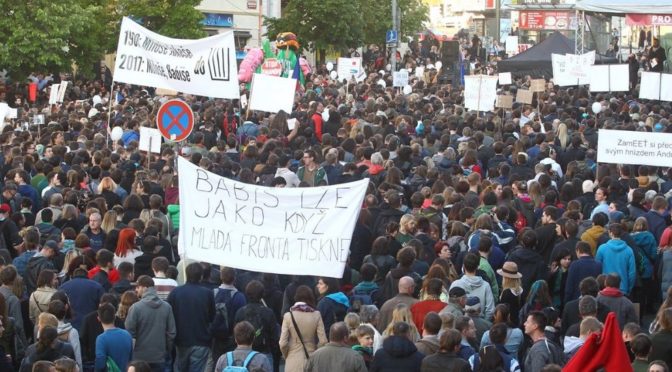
(72, 254)
(47, 320)
(109, 221)
(514, 284)
(404, 221)
(402, 313)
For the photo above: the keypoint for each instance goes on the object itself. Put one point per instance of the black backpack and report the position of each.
(223, 322)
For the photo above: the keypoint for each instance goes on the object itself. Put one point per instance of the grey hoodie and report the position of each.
(68, 334)
(475, 286)
(150, 321)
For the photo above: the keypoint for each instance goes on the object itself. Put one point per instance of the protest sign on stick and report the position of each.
(150, 140)
(524, 96)
(505, 78)
(400, 79)
(538, 85)
(480, 92)
(609, 78)
(293, 231)
(272, 93)
(504, 101)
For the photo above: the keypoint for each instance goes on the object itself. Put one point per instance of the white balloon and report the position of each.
(116, 133)
(382, 72)
(408, 89)
(334, 75)
(330, 66)
(325, 115)
(438, 65)
(96, 100)
(388, 67)
(597, 107)
(382, 83)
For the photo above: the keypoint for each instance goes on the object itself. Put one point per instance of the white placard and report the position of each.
(61, 91)
(666, 85)
(38, 119)
(243, 101)
(609, 78)
(505, 78)
(265, 229)
(400, 79)
(641, 148)
(649, 87)
(560, 75)
(348, 67)
(578, 67)
(420, 72)
(272, 93)
(480, 92)
(291, 123)
(4, 112)
(512, 45)
(150, 140)
(13, 113)
(205, 67)
(53, 94)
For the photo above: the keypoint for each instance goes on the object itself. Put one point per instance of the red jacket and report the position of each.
(420, 310)
(317, 121)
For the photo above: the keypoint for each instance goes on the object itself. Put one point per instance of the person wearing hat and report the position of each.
(457, 300)
(39, 262)
(512, 291)
(473, 310)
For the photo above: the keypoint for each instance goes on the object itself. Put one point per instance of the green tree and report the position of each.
(172, 18)
(319, 24)
(45, 35)
(412, 15)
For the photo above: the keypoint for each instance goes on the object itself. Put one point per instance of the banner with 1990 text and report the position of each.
(640, 148)
(205, 67)
(302, 231)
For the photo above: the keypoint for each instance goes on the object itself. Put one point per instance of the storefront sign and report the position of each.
(648, 19)
(217, 20)
(547, 20)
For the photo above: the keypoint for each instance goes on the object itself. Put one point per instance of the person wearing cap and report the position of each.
(457, 300)
(473, 310)
(40, 261)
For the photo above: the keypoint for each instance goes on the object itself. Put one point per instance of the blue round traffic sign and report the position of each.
(175, 120)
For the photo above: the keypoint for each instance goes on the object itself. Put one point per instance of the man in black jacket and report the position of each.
(262, 318)
(571, 314)
(546, 234)
(530, 264)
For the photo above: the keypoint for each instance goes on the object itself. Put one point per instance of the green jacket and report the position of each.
(492, 279)
(320, 175)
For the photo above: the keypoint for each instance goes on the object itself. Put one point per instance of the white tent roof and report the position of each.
(625, 6)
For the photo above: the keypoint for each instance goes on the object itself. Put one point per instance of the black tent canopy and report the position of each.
(536, 61)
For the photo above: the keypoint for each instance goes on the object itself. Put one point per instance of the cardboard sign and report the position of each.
(538, 85)
(400, 79)
(524, 96)
(504, 101)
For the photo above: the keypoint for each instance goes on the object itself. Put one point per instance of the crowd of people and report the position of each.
(486, 242)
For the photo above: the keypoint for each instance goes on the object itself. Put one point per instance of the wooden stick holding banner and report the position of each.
(109, 115)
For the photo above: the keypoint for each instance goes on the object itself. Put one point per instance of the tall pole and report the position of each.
(498, 17)
(393, 50)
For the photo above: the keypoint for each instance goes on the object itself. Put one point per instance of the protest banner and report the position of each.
(480, 92)
(348, 67)
(504, 101)
(400, 78)
(505, 78)
(640, 148)
(560, 75)
(578, 67)
(537, 85)
(205, 67)
(61, 91)
(272, 93)
(292, 231)
(524, 96)
(150, 140)
(656, 86)
(609, 78)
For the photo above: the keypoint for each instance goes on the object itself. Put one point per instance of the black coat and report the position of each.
(397, 354)
(530, 264)
(444, 362)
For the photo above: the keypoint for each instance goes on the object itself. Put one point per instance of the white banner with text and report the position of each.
(205, 67)
(640, 148)
(293, 231)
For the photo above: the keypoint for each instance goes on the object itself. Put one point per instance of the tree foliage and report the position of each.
(51, 36)
(344, 24)
(45, 35)
(172, 18)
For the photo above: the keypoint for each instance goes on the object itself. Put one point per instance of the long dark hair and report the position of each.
(491, 361)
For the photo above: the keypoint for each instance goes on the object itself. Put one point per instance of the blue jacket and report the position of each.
(84, 295)
(333, 308)
(648, 248)
(617, 257)
(497, 256)
(115, 343)
(194, 309)
(657, 223)
(578, 270)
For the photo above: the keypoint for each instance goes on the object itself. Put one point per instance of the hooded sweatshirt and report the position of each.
(530, 264)
(616, 302)
(398, 354)
(571, 345)
(617, 257)
(67, 333)
(475, 286)
(592, 235)
(333, 308)
(150, 321)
